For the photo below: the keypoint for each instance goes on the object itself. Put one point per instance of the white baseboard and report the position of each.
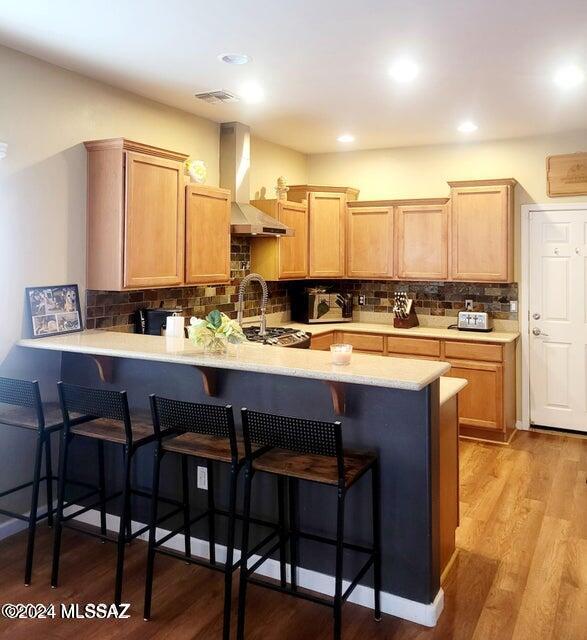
(11, 526)
(425, 614)
(520, 425)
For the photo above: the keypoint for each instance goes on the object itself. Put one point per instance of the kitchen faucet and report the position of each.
(253, 277)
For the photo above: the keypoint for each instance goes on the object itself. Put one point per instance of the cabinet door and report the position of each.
(293, 251)
(481, 401)
(154, 221)
(327, 234)
(481, 233)
(370, 242)
(207, 235)
(422, 242)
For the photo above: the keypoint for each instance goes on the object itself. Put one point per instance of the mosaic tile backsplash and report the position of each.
(115, 309)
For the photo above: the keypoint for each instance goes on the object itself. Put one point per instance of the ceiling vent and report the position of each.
(217, 97)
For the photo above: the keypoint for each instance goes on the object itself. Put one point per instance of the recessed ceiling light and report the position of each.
(346, 137)
(404, 70)
(234, 58)
(467, 127)
(252, 93)
(569, 76)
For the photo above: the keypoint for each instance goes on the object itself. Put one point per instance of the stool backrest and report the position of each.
(94, 404)
(179, 416)
(267, 430)
(25, 394)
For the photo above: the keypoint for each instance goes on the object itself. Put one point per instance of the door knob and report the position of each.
(536, 316)
(538, 332)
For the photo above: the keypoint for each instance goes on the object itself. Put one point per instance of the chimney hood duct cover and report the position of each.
(235, 163)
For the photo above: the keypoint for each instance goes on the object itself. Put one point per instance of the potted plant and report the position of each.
(215, 332)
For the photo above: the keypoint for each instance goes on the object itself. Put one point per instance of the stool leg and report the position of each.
(33, 513)
(102, 487)
(49, 480)
(63, 453)
(242, 593)
(293, 526)
(339, 565)
(211, 514)
(186, 505)
(152, 531)
(127, 505)
(376, 538)
(124, 520)
(228, 568)
(281, 497)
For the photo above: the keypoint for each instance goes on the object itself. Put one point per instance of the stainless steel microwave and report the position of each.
(314, 306)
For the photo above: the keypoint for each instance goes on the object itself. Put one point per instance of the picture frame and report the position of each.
(54, 310)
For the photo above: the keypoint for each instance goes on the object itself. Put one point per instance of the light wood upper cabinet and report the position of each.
(422, 242)
(135, 216)
(154, 221)
(327, 227)
(481, 230)
(370, 242)
(282, 258)
(207, 257)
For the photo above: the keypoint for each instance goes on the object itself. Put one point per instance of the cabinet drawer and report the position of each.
(473, 351)
(322, 342)
(363, 341)
(413, 346)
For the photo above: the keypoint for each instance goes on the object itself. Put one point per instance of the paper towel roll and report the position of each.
(175, 327)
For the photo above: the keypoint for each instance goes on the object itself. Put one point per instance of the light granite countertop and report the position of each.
(449, 387)
(372, 370)
(415, 332)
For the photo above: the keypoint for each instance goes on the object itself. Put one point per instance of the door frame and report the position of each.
(524, 294)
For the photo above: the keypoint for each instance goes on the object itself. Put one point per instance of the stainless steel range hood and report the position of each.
(235, 164)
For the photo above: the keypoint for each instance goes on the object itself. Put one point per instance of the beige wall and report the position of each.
(269, 161)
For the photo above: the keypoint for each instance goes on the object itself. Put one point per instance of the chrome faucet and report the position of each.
(253, 277)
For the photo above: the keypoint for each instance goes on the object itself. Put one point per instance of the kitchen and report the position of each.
(452, 426)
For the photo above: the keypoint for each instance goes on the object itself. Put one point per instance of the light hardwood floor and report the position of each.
(521, 573)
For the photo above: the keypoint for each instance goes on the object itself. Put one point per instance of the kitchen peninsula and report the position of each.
(391, 404)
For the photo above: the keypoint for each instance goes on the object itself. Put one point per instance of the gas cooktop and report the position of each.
(279, 337)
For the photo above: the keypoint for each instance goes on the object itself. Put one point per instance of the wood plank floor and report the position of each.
(521, 573)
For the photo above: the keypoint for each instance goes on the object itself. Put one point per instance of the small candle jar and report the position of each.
(341, 353)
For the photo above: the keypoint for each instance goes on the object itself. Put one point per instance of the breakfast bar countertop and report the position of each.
(441, 333)
(372, 370)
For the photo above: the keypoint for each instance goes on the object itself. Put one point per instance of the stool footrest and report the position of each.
(201, 562)
(359, 575)
(303, 595)
(90, 506)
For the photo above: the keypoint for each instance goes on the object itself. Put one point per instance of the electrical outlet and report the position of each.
(361, 300)
(513, 306)
(203, 478)
(469, 305)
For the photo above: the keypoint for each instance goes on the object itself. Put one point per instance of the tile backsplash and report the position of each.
(115, 309)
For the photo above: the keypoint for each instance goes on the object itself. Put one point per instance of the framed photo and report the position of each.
(54, 310)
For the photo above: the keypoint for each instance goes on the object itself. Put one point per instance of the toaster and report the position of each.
(474, 321)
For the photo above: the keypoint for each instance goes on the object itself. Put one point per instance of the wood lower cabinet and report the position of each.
(135, 216)
(481, 230)
(422, 242)
(370, 244)
(327, 227)
(282, 258)
(207, 257)
(487, 405)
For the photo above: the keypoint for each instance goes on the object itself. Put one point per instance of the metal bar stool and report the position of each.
(23, 408)
(207, 432)
(295, 449)
(106, 418)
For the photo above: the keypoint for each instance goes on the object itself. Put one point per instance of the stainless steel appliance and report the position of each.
(317, 305)
(280, 337)
(253, 277)
(152, 321)
(474, 321)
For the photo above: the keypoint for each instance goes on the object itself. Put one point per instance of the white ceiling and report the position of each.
(324, 64)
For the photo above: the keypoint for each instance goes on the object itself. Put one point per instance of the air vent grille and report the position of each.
(217, 97)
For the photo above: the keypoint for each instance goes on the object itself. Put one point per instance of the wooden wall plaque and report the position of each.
(566, 175)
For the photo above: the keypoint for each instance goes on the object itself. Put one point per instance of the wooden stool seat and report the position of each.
(313, 467)
(113, 430)
(26, 417)
(201, 445)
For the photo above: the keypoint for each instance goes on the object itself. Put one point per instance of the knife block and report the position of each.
(407, 323)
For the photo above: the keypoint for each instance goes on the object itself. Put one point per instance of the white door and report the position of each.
(558, 319)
